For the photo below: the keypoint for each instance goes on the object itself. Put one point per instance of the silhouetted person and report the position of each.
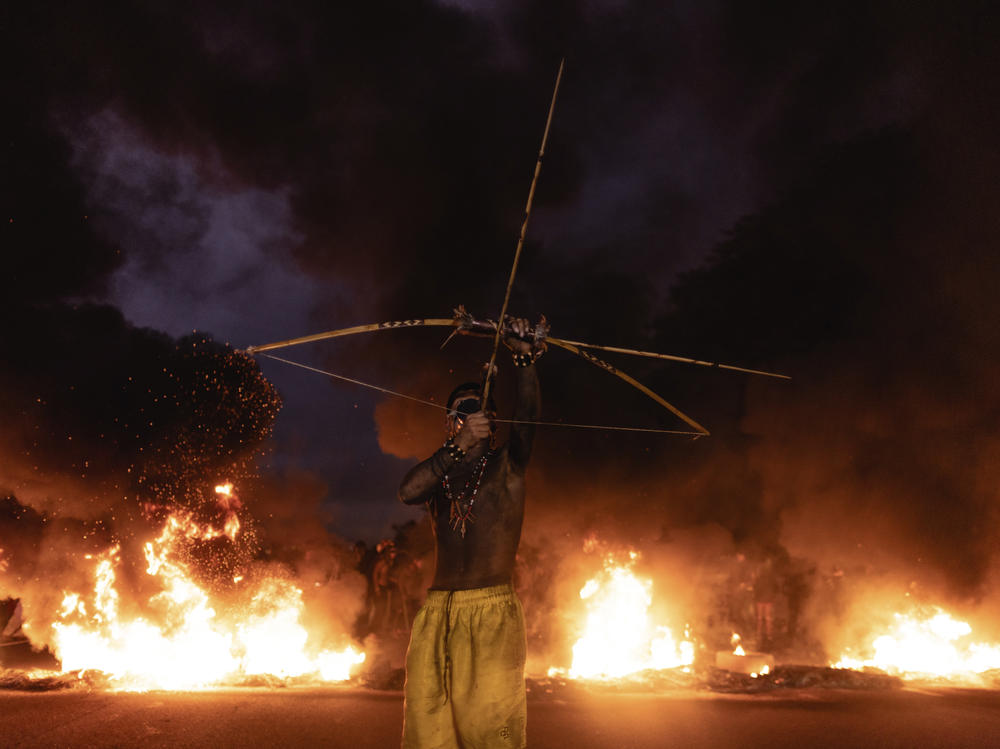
(364, 562)
(765, 591)
(797, 587)
(739, 593)
(383, 585)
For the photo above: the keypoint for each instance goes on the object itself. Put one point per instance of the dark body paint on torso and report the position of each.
(485, 555)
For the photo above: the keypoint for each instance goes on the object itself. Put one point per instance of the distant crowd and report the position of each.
(396, 587)
(764, 597)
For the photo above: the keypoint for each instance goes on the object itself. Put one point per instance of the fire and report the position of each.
(737, 642)
(182, 638)
(928, 644)
(230, 504)
(618, 636)
(740, 661)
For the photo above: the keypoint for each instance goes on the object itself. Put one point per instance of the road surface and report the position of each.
(356, 718)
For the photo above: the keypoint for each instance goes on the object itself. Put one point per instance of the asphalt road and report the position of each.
(355, 718)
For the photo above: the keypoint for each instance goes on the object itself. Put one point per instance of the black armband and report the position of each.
(523, 360)
(446, 457)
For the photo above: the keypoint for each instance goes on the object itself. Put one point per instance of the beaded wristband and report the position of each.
(457, 454)
(523, 359)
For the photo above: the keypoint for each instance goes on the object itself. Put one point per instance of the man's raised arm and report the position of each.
(528, 404)
(527, 408)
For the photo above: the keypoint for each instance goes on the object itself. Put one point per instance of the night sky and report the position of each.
(809, 188)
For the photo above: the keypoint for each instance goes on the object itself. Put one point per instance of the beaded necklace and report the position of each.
(461, 505)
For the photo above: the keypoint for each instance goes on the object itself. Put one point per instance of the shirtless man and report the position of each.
(465, 664)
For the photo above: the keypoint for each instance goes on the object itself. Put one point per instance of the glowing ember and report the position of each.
(230, 503)
(180, 640)
(931, 645)
(618, 636)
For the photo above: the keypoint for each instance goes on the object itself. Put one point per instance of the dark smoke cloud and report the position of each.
(101, 412)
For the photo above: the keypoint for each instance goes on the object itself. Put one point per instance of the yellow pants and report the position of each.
(465, 672)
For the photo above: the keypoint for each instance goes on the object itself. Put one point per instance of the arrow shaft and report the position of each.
(520, 239)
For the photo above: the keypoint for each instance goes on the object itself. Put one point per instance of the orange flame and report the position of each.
(618, 637)
(928, 644)
(737, 642)
(185, 642)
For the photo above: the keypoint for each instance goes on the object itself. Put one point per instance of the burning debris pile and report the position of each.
(716, 680)
(926, 645)
(194, 638)
(617, 635)
(175, 629)
(137, 564)
(622, 631)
